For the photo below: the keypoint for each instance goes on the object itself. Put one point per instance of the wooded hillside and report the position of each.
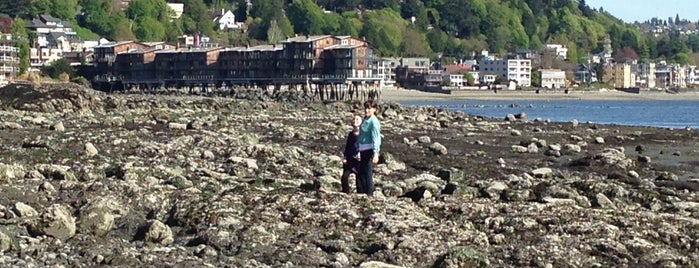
(455, 28)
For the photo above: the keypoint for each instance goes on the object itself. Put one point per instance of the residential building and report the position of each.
(105, 55)
(487, 78)
(48, 29)
(349, 58)
(559, 50)
(585, 73)
(9, 57)
(618, 75)
(248, 65)
(225, 20)
(645, 74)
(454, 80)
(553, 78)
(387, 69)
(177, 9)
(42, 56)
(319, 60)
(517, 70)
(187, 64)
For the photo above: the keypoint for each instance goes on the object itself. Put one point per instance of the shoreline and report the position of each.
(400, 94)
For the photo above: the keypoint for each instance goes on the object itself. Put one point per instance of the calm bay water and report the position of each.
(655, 113)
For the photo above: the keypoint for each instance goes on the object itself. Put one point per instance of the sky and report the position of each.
(642, 10)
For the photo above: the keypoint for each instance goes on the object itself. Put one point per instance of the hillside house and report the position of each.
(48, 29)
(225, 20)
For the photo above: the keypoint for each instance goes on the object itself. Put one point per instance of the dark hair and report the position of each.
(371, 104)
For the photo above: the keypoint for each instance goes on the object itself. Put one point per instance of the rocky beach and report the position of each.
(89, 179)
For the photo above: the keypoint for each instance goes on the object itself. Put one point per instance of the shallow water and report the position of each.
(655, 113)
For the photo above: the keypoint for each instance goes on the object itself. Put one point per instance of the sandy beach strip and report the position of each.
(399, 94)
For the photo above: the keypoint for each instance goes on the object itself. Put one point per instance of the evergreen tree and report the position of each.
(19, 33)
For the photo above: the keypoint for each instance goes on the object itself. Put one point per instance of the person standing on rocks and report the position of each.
(369, 146)
(350, 157)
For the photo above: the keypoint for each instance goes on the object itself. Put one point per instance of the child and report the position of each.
(369, 146)
(350, 163)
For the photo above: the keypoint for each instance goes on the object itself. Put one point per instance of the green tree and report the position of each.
(19, 33)
(122, 30)
(99, 16)
(470, 80)
(57, 68)
(307, 17)
(536, 78)
(196, 18)
(274, 33)
(384, 29)
(155, 9)
(437, 39)
(64, 9)
(414, 43)
(149, 29)
(16, 8)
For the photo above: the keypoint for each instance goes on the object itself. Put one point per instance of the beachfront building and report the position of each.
(618, 75)
(644, 74)
(553, 78)
(9, 59)
(517, 70)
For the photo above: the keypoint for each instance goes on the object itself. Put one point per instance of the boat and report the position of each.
(634, 90)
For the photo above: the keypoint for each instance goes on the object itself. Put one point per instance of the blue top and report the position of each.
(369, 135)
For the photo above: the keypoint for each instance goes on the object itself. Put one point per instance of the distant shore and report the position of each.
(399, 94)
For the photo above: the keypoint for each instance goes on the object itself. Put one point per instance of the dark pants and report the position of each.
(344, 180)
(365, 177)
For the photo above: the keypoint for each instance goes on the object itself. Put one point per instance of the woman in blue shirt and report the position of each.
(369, 146)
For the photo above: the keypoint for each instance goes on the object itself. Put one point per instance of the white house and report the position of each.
(560, 50)
(177, 8)
(455, 80)
(553, 78)
(226, 21)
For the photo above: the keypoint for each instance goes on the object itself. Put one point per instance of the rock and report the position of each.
(10, 125)
(599, 140)
(510, 117)
(438, 149)
(90, 150)
(602, 201)
(378, 264)
(519, 149)
(58, 126)
(24, 210)
(542, 173)
(159, 233)
(573, 148)
(9, 173)
(177, 126)
(56, 221)
(424, 139)
(643, 159)
(532, 148)
(7, 242)
(515, 132)
(494, 189)
(97, 217)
